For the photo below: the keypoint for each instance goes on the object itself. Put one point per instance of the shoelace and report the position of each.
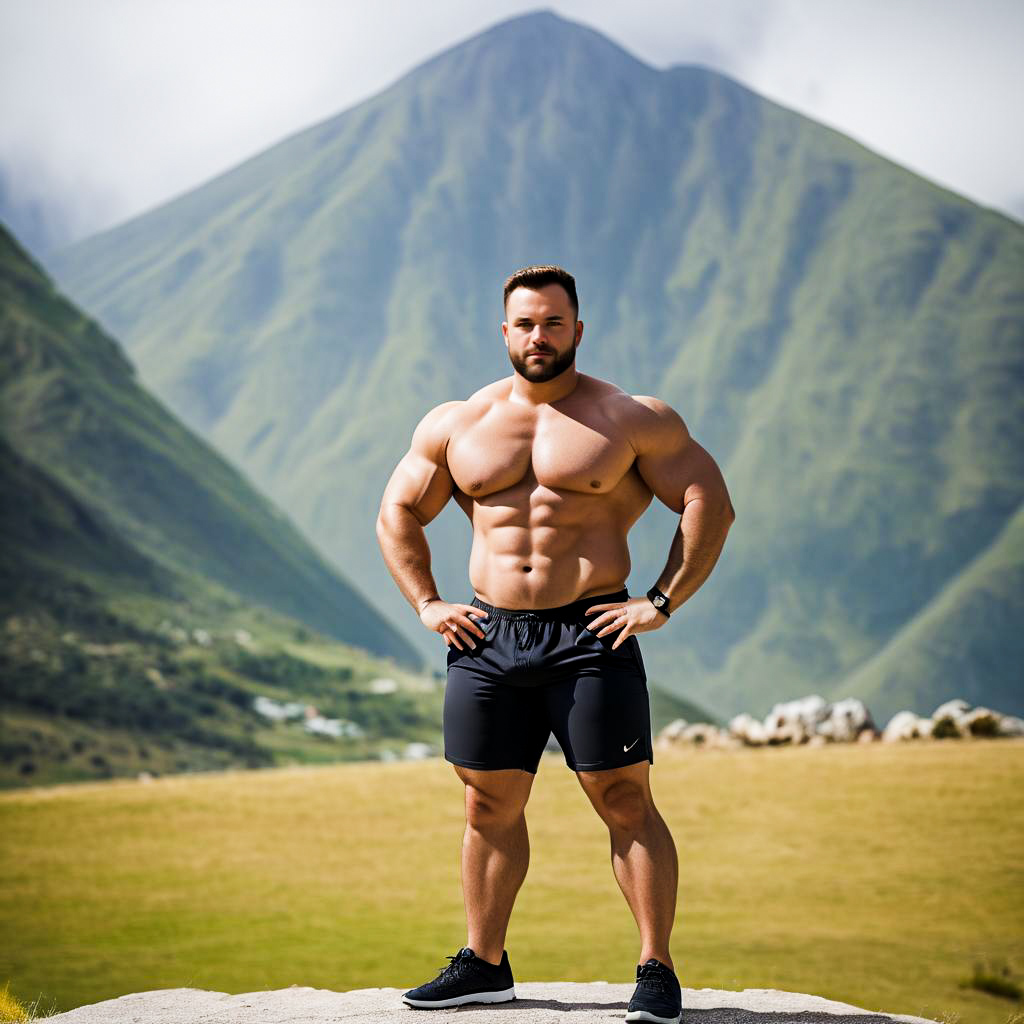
(456, 965)
(652, 976)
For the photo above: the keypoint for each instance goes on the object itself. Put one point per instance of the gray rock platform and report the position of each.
(595, 1002)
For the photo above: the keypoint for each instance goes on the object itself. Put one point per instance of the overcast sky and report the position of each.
(108, 107)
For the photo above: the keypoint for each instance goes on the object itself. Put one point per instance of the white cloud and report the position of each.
(935, 86)
(111, 106)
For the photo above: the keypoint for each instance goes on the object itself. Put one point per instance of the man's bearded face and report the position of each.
(542, 332)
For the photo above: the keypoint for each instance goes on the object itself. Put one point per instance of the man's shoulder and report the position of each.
(485, 397)
(646, 421)
(449, 416)
(643, 408)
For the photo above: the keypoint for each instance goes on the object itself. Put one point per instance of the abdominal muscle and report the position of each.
(550, 548)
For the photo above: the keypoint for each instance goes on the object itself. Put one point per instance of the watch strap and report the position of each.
(659, 600)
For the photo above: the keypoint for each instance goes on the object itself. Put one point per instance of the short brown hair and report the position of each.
(536, 278)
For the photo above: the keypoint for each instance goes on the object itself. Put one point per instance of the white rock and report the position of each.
(795, 721)
(700, 734)
(952, 708)
(958, 706)
(673, 731)
(418, 751)
(336, 727)
(268, 707)
(748, 730)
(905, 725)
(1011, 725)
(846, 720)
(383, 686)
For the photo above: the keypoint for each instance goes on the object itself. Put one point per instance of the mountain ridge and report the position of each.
(806, 305)
(72, 404)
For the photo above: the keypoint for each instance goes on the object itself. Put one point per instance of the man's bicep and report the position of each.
(420, 484)
(421, 481)
(675, 467)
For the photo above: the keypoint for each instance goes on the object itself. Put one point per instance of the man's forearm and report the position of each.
(403, 542)
(698, 541)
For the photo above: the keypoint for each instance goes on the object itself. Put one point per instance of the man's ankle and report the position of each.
(661, 958)
(487, 955)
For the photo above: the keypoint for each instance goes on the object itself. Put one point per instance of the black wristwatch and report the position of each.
(659, 600)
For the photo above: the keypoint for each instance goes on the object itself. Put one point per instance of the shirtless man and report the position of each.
(552, 467)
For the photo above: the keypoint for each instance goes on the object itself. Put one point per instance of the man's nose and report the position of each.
(537, 333)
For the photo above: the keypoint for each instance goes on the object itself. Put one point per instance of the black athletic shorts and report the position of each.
(542, 671)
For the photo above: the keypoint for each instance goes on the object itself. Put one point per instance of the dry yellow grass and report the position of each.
(876, 875)
(11, 1011)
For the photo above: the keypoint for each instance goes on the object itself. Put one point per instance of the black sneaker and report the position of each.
(466, 979)
(657, 996)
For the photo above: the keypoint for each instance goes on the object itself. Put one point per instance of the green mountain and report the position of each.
(948, 638)
(71, 404)
(843, 336)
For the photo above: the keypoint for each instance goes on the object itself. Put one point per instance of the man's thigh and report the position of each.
(602, 721)
(491, 726)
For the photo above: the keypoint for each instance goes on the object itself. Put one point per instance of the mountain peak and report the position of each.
(541, 31)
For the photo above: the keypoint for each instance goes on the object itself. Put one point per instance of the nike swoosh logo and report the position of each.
(626, 750)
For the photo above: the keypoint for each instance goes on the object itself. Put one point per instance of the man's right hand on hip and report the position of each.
(455, 622)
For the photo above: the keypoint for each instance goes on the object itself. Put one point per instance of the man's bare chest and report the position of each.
(558, 452)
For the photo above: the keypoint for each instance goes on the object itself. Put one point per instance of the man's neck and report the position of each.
(532, 393)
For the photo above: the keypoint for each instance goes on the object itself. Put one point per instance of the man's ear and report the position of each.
(579, 332)
(504, 331)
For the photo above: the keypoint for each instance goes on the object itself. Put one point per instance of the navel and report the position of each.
(527, 568)
(595, 483)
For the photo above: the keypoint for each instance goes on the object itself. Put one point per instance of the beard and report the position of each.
(543, 372)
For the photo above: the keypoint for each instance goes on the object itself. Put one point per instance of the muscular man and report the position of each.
(552, 467)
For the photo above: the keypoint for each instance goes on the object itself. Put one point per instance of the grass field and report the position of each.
(878, 875)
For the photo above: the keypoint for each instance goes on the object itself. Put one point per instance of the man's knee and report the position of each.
(495, 802)
(625, 805)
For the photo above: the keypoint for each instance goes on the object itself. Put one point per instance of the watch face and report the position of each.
(658, 601)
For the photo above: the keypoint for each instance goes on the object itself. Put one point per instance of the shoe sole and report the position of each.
(645, 1015)
(506, 995)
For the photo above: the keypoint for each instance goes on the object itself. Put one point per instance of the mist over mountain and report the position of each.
(38, 225)
(844, 337)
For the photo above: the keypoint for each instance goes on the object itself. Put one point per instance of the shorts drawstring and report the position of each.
(527, 627)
